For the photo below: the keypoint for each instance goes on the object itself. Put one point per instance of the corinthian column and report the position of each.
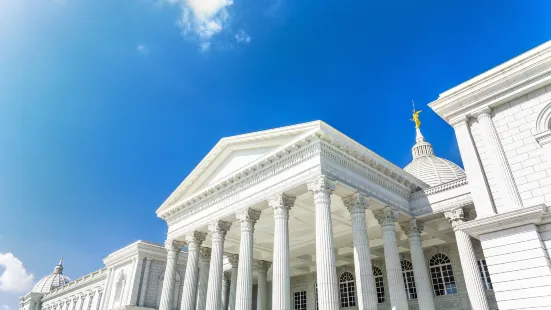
(244, 291)
(366, 292)
(281, 280)
(262, 270)
(218, 230)
(225, 288)
(173, 250)
(189, 294)
(398, 298)
(234, 261)
(475, 289)
(507, 188)
(204, 264)
(328, 286)
(420, 272)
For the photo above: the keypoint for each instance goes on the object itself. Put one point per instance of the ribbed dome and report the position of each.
(429, 168)
(52, 281)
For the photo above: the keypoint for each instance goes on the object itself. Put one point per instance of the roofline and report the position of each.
(512, 79)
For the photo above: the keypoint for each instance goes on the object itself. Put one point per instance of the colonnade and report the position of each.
(206, 286)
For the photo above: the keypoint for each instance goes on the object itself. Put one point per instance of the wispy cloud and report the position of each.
(142, 49)
(6, 307)
(205, 19)
(14, 278)
(242, 36)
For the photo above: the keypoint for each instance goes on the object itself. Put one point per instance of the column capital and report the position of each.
(321, 184)
(386, 217)
(413, 227)
(486, 112)
(281, 203)
(248, 215)
(234, 260)
(204, 254)
(261, 265)
(174, 246)
(356, 203)
(196, 238)
(456, 216)
(219, 230)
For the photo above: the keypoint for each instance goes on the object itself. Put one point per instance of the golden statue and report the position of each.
(416, 118)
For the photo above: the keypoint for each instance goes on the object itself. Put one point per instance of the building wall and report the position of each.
(459, 301)
(515, 123)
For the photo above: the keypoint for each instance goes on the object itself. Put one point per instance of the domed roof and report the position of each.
(52, 281)
(429, 168)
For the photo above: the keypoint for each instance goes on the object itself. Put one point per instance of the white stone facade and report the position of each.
(305, 218)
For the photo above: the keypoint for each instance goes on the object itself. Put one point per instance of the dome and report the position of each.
(429, 168)
(52, 281)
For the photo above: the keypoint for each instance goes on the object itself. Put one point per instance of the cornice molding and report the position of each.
(515, 218)
(309, 146)
(440, 188)
(514, 78)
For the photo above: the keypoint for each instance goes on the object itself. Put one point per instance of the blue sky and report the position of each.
(105, 106)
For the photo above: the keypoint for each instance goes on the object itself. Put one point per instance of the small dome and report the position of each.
(429, 168)
(52, 281)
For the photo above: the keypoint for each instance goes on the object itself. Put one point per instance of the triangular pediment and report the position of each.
(233, 154)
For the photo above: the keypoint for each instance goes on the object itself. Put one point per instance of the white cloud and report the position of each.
(203, 19)
(242, 36)
(14, 279)
(142, 49)
(6, 307)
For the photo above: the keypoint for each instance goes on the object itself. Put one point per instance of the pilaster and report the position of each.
(500, 166)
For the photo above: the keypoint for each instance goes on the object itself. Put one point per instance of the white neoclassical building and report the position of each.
(305, 218)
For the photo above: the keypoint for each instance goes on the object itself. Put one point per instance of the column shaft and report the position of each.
(173, 250)
(475, 288)
(475, 173)
(225, 291)
(281, 279)
(261, 299)
(500, 166)
(219, 230)
(244, 290)
(328, 286)
(189, 292)
(366, 291)
(204, 265)
(234, 261)
(398, 298)
(420, 271)
(145, 281)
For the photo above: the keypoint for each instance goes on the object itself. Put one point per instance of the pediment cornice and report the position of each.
(300, 149)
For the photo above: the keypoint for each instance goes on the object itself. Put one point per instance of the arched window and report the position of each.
(119, 290)
(443, 281)
(348, 290)
(409, 280)
(379, 284)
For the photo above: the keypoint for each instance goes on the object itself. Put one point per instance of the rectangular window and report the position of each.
(485, 274)
(300, 300)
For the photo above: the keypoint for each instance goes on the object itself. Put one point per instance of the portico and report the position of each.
(310, 201)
